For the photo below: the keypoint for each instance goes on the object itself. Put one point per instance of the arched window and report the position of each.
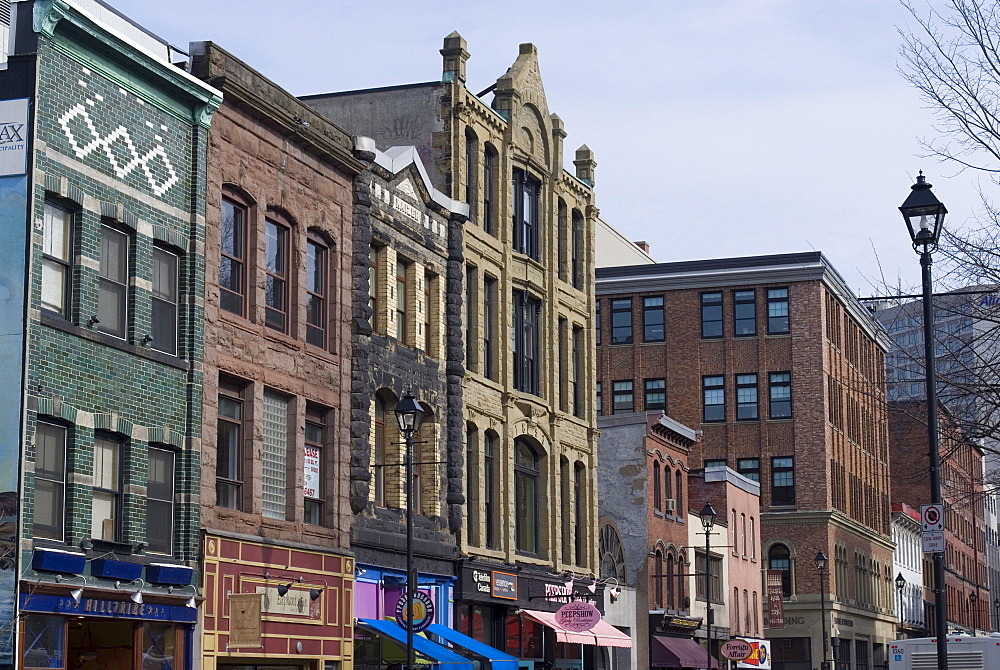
(667, 489)
(379, 453)
(489, 181)
(612, 553)
(658, 581)
(734, 615)
(681, 581)
(579, 507)
(317, 289)
(471, 171)
(576, 250)
(669, 602)
(779, 558)
(491, 479)
(678, 492)
(656, 487)
(563, 231)
(472, 484)
(526, 477)
(277, 261)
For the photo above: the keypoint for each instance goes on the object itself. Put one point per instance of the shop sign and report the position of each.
(578, 616)
(112, 609)
(736, 650)
(504, 585)
(295, 602)
(843, 622)
(13, 136)
(760, 655)
(244, 620)
(422, 613)
(691, 624)
(496, 584)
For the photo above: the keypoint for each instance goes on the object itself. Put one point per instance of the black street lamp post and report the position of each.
(973, 602)
(900, 585)
(408, 415)
(996, 610)
(708, 517)
(924, 215)
(821, 562)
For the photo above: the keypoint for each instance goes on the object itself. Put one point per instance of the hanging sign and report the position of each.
(578, 616)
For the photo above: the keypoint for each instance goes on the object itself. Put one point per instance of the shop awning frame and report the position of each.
(498, 659)
(602, 635)
(679, 652)
(442, 656)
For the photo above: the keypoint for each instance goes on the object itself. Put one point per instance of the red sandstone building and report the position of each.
(966, 569)
(783, 371)
(276, 522)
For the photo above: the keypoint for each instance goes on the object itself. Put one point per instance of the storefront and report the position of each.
(512, 608)
(273, 605)
(672, 645)
(75, 627)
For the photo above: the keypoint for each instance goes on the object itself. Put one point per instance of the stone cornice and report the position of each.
(242, 84)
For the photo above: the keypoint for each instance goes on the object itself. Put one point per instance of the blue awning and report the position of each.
(498, 659)
(444, 657)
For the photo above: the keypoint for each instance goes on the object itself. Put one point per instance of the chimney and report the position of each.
(455, 56)
(585, 165)
(643, 245)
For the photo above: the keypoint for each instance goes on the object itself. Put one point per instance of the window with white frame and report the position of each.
(57, 258)
(163, 325)
(50, 481)
(112, 299)
(106, 506)
(160, 500)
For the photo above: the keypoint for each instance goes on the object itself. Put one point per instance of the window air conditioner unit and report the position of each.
(671, 505)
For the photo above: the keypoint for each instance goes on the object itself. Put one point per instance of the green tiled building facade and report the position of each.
(113, 354)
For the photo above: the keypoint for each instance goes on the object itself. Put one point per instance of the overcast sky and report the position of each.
(724, 128)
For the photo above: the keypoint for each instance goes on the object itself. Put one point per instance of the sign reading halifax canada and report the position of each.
(13, 137)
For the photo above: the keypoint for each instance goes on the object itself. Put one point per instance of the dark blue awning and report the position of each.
(498, 659)
(442, 656)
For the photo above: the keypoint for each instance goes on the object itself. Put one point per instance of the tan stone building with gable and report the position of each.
(527, 297)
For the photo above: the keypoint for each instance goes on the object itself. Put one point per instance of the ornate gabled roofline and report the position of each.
(396, 159)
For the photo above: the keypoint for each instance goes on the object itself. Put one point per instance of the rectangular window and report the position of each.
(714, 463)
(276, 276)
(274, 455)
(430, 313)
(471, 300)
(489, 176)
(746, 397)
(112, 299)
(623, 397)
(313, 475)
(597, 405)
(652, 319)
(597, 321)
(106, 508)
(576, 260)
(373, 288)
(777, 311)
(782, 481)
(714, 392)
(656, 394)
(527, 313)
(578, 362)
(160, 501)
(749, 468)
(527, 192)
(56, 258)
(489, 326)
(745, 313)
(621, 321)
(402, 299)
(232, 262)
(316, 288)
(714, 581)
(781, 395)
(579, 506)
(471, 154)
(711, 315)
(490, 481)
(50, 481)
(379, 453)
(163, 327)
(229, 445)
(563, 380)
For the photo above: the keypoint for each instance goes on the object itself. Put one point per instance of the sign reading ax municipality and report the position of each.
(13, 137)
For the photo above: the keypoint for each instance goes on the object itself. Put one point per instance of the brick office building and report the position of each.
(275, 447)
(783, 371)
(108, 205)
(530, 486)
(967, 588)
